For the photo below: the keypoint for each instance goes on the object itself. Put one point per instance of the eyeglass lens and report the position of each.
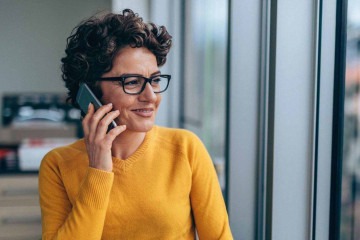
(134, 84)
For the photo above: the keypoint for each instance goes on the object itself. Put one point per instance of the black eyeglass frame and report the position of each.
(146, 80)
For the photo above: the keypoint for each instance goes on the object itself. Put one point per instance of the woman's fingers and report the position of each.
(104, 123)
(96, 123)
(96, 117)
(86, 119)
(98, 141)
(113, 133)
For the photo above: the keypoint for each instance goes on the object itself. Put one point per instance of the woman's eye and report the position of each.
(134, 82)
(156, 80)
(131, 82)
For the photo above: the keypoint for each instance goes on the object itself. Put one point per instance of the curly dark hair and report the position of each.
(93, 44)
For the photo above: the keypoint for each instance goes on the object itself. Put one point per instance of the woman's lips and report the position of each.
(143, 112)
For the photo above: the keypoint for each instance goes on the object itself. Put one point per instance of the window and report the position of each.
(204, 91)
(350, 193)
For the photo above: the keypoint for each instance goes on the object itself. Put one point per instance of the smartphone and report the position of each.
(85, 96)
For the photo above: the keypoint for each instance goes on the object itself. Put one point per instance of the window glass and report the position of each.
(350, 199)
(204, 96)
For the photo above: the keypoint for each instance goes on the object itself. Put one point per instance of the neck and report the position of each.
(127, 143)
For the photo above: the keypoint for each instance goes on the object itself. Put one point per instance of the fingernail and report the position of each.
(109, 104)
(89, 106)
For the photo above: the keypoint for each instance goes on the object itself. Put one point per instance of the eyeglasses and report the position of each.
(134, 84)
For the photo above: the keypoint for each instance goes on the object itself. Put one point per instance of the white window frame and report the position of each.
(280, 118)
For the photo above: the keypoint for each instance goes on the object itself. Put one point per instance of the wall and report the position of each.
(33, 38)
(142, 7)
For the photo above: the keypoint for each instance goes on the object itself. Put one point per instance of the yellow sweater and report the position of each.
(165, 190)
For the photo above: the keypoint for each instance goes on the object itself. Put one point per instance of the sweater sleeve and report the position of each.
(211, 218)
(82, 220)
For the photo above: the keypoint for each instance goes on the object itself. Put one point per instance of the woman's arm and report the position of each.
(85, 218)
(211, 218)
(82, 220)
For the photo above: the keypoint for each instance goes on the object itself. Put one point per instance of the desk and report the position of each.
(20, 216)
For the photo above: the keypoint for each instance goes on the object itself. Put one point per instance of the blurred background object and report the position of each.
(35, 117)
(34, 114)
(350, 196)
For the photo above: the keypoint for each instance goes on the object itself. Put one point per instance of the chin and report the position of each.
(144, 128)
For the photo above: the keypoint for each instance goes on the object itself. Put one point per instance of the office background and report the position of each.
(261, 82)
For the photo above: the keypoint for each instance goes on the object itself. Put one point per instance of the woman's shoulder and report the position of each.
(64, 153)
(74, 147)
(181, 141)
(177, 137)
(175, 134)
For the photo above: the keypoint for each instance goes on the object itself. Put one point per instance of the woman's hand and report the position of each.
(98, 141)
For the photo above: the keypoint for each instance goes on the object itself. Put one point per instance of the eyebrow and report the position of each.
(157, 72)
(135, 74)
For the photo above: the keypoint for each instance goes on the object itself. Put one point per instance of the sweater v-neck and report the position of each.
(125, 164)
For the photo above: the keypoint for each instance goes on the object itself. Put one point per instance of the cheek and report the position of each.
(124, 104)
(118, 99)
(110, 93)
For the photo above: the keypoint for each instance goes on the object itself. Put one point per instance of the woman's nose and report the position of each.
(148, 93)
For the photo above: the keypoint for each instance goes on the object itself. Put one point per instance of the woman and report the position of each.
(137, 180)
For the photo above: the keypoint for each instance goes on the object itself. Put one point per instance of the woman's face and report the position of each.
(137, 112)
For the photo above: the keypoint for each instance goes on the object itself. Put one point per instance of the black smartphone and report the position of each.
(85, 96)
